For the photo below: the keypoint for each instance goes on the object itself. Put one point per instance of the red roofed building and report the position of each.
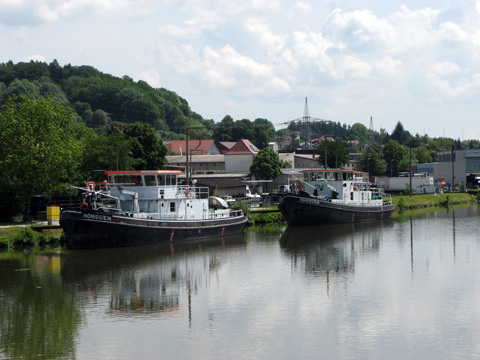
(240, 157)
(196, 147)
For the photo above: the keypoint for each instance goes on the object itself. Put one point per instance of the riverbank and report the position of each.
(432, 200)
(21, 235)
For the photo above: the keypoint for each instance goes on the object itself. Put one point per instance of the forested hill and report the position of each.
(99, 98)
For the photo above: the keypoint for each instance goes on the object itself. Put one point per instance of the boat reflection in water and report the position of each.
(328, 249)
(145, 279)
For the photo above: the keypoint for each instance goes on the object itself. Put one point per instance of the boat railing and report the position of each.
(212, 215)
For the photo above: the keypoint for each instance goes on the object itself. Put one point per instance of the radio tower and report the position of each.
(306, 126)
(371, 135)
(305, 123)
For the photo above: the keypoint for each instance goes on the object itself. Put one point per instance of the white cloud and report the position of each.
(196, 25)
(236, 7)
(35, 11)
(226, 68)
(312, 48)
(36, 57)
(449, 81)
(151, 76)
(302, 7)
(263, 34)
(360, 30)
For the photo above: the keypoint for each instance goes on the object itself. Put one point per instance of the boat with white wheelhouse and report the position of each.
(330, 196)
(145, 207)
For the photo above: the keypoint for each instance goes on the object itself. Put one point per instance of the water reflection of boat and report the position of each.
(332, 247)
(146, 279)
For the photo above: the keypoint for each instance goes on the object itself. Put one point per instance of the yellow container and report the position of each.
(53, 212)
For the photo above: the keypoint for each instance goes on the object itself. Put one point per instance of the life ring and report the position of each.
(186, 192)
(84, 206)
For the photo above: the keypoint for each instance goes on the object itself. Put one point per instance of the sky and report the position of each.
(373, 62)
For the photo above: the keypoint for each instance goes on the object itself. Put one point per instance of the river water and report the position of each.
(407, 288)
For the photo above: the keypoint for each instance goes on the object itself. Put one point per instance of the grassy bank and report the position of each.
(431, 200)
(25, 236)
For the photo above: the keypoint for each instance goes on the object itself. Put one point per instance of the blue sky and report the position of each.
(417, 62)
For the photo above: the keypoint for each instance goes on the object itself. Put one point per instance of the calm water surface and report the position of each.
(408, 288)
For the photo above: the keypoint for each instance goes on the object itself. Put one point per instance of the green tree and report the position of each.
(423, 155)
(358, 132)
(110, 151)
(337, 153)
(266, 165)
(146, 146)
(400, 134)
(393, 153)
(243, 129)
(260, 136)
(40, 145)
(223, 130)
(372, 160)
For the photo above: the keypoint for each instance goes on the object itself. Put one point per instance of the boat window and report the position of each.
(173, 179)
(329, 175)
(320, 175)
(137, 180)
(172, 207)
(338, 176)
(150, 180)
(123, 179)
(161, 180)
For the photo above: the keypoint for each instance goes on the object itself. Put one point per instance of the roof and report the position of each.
(224, 146)
(243, 147)
(200, 147)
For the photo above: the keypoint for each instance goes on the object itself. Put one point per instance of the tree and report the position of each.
(372, 160)
(243, 129)
(337, 153)
(423, 155)
(393, 154)
(400, 134)
(110, 151)
(146, 146)
(40, 146)
(266, 165)
(223, 130)
(358, 132)
(260, 136)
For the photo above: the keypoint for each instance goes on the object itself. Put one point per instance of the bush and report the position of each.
(267, 217)
(401, 203)
(241, 206)
(28, 237)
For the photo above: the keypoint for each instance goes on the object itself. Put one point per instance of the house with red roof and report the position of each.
(195, 147)
(240, 157)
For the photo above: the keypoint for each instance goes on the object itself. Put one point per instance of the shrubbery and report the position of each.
(28, 237)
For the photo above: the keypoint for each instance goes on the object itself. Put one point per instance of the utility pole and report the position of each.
(187, 169)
